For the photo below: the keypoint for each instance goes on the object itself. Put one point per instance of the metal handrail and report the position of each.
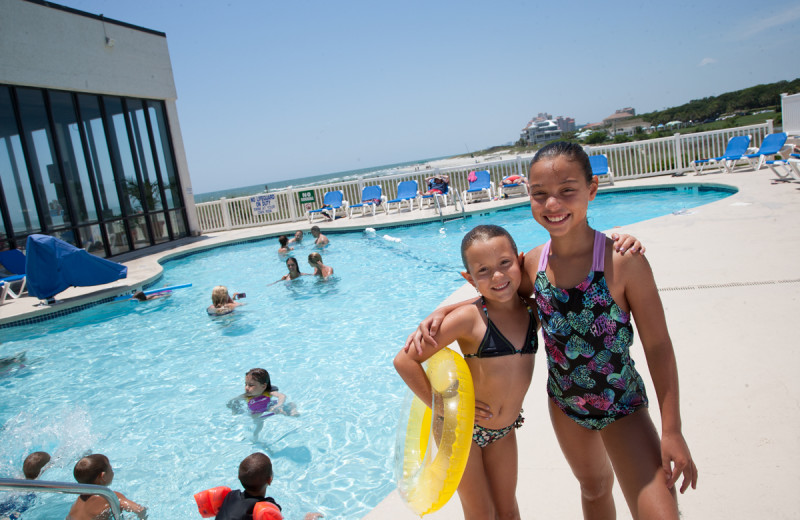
(43, 486)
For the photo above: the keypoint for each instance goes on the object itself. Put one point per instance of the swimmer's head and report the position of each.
(219, 295)
(140, 295)
(283, 240)
(255, 473)
(91, 468)
(570, 151)
(291, 264)
(256, 382)
(314, 258)
(298, 236)
(483, 233)
(315, 231)
(34, 463)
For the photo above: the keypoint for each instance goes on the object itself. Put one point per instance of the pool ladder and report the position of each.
(42, 486)
(456, 201)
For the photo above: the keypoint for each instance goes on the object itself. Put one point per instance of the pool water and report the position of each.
(147, 383)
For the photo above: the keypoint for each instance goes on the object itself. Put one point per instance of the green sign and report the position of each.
(307, 196)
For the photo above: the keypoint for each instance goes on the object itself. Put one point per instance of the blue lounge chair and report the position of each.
(482, 185)
(371, 196)
(407, 191)
(737, 147)
(787, 170)
(771, 145)
(332, 202)
(600, 168)
(13, 261)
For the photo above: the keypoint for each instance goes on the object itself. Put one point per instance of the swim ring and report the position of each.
(426, 481)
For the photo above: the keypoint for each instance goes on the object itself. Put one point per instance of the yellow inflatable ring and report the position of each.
(426, 481)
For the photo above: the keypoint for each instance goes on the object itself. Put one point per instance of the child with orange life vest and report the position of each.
(255, 475)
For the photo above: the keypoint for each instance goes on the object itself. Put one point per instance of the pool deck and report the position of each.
(709, 263)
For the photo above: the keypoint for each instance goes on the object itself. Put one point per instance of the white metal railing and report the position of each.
(637, 159)
(43, 486)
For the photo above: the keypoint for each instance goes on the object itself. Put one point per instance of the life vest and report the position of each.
(210, 500)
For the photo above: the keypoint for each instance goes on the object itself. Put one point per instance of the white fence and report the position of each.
(638, 159)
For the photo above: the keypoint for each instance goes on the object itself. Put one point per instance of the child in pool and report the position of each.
(32, 467)
(283, 240)
(497, 336)
(222, 302)
(262, 399)
(320, 269)
(598, 405)
(297, 238)
(255, 475)
(294, 270)
(96, 469)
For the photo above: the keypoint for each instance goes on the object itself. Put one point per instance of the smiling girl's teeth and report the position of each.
(556, 219)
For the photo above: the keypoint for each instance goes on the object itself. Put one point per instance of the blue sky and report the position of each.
(280, 90)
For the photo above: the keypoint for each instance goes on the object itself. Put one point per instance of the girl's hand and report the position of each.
(674, 450)
(425, 332)
(627, 242)
(482, 411)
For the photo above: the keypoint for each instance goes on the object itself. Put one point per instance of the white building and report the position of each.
(90, 146)
(538, 132)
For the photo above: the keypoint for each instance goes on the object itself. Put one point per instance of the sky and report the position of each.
(272, 91)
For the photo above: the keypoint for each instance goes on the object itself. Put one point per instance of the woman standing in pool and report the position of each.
(294, 271)
(320, 269)
(598, 405)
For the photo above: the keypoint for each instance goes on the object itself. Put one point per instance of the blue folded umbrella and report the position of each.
(53, 265)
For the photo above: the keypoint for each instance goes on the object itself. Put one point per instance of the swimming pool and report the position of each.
(147, 383)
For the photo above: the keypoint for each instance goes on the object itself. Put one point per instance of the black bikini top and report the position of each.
(495, 344)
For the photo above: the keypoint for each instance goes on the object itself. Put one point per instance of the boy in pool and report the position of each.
(96, 469)
(13, 508)
(262, 399)
(255, 475)
(320, 240)
(297, 238)
(284, 242)
(221, 301)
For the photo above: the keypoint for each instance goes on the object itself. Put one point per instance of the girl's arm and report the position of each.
(642, 296)
(279, 396)
(429, 327)
(408, 362)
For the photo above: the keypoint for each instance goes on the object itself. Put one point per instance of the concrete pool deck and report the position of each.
(729, 278)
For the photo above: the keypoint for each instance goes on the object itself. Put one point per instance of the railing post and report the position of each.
(678, 153)
(226, 216)
(291, 203)
(769, 126)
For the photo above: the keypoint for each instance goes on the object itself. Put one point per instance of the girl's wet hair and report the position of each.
(314, 258)
(570, 151)
(219, 295)
(293, 260)
(483, 233)
(283, 240)
(260, 375)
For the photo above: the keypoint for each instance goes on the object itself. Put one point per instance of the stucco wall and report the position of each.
(47, 47)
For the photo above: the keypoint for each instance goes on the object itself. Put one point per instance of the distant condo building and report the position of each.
(543, 128)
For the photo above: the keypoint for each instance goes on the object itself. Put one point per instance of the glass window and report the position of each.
(121, 154)
(141, 139)
(164, 153)
(139, 232)
(178, 224)
(68, 139)
(160, 232)
(46, 173)
(92, 240)
(117, 239)
(108, 187)
(14, 174)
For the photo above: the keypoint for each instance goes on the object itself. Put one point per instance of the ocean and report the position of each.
(325, 178)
